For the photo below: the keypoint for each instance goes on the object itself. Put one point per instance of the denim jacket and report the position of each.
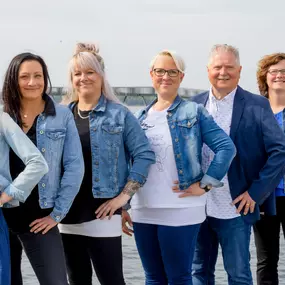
(190, 126)
(116, 140)
(12, 136)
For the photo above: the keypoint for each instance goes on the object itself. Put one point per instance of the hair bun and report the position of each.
(89, 47)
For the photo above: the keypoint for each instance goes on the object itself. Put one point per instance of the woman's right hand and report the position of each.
(127, 223)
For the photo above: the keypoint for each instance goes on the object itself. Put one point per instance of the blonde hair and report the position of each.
(86, 56)
(179, 62)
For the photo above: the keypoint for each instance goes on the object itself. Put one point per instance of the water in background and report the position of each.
(134, 274)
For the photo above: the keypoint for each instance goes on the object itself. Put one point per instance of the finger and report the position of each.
(104, 213)
(35, 227)
(252, 206)
(128, 231)
(101, 207)
(111, 213)
(101, 210)
(129, 221)
(35, 222)
(47, 229)
(176, 182)
(41, 228)
(236, 200)
(246, 208)
(185, 194)
(241, 205)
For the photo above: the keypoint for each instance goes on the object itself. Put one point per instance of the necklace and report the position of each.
(25, 116)
(82, 117)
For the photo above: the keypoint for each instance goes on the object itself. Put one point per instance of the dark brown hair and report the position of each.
(262, 69)
(11, 92)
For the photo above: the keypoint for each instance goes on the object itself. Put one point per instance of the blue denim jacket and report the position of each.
(116, 140)
(190, 126)
(12, 136)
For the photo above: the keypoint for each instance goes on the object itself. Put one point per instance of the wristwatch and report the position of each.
(207, 188)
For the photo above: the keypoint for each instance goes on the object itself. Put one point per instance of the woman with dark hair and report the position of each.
(51, 127)
(111, 137)
(271, 83)
(11, 192)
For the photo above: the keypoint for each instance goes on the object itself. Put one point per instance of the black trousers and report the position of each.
(267, 237)
(45, 253)
(104, 253)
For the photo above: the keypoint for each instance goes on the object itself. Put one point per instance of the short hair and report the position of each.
(86, 56)
(262, 69)
(179, 62)
(224, 48)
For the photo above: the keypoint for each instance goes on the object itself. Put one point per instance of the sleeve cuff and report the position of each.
(208, 180)
(57, 216)
(16, 193)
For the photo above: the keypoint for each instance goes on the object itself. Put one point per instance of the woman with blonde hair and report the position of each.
(111, 139)
(170, 207)
(271, 83)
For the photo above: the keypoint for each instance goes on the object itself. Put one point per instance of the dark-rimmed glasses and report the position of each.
(161, 72)
(276, 71)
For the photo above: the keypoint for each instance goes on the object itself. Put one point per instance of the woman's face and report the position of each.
(31, 80)
(276, 76)
(86, 82)
(167, 84)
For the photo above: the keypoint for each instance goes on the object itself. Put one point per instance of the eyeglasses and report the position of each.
(171, 72)
(276, 71)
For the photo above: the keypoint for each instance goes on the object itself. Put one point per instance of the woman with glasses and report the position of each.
(13, 191)
(117, 156)
(33, 224)
(165, 221)
(271, 83)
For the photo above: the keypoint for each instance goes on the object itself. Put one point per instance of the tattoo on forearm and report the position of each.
(131, 188)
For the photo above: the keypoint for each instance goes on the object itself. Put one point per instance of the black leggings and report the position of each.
(45, 253)
(267, 241)
(104, 253)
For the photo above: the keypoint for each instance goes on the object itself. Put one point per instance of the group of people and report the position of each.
(196, 173)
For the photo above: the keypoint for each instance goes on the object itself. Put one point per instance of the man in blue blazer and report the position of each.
(254, 173)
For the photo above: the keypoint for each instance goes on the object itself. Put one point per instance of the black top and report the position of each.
(19, 218)
(84, 205)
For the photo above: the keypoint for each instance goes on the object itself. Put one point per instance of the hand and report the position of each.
(109, 207)
(4, 198)
(126, 219)
(246, 202)
(43, 224)
(192, 190)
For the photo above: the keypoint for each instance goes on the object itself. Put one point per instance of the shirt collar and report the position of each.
(230, 97)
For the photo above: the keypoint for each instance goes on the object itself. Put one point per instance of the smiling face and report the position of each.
(31, 80)
(275, 78)
(166, 77)
(86, 82)
(224, 71)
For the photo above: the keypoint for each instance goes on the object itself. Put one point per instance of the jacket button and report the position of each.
(188, 124)
(45, 203)
(176, 140)
(43, 185)
(180, 171)
(57, 218)
(97, 179)
(178, 155)
(172, 127)
(169, 114)
(41, 132)
(96, 162)
(43, 149)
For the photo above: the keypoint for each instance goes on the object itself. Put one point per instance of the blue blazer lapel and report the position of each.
(201, 98)
(238, 108)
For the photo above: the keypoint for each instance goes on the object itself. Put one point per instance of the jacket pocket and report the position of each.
(188, 128)
(112, 134)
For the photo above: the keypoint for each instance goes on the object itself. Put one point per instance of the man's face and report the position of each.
(224, 71)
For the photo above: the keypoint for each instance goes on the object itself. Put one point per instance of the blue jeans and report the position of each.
(5, 275)
(166, 252)
(234, 237)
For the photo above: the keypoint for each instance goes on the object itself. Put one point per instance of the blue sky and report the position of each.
(131, 32)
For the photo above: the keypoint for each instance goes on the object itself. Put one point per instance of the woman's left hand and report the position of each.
(43, 224)
(192, 190)
(109, 207)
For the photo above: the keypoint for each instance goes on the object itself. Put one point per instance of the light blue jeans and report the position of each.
(5, 274)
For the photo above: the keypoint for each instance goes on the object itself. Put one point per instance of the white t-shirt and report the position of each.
(155, 202)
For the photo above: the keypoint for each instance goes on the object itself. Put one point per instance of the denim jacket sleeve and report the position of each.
(220, 143)
(139, 148)
(73, 171)
(36, 166)
(274, 168)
